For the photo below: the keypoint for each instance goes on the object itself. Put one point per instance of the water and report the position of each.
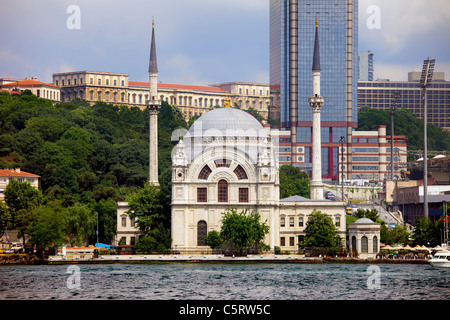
(202, 281)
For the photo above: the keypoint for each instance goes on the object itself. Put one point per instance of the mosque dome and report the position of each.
(226, 122)
(364, 221)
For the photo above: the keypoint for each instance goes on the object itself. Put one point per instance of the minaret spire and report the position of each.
(153, 64)
(316, 57)
(153, 106)
(316, 102)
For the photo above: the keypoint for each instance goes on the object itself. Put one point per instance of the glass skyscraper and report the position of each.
(292, 30)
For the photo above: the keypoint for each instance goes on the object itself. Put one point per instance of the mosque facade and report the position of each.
(227, 160)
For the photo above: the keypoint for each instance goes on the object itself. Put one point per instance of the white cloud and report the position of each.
(181, 69)
(403, 21)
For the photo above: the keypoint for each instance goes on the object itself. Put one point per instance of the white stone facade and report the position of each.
(228, 152)
(364, 238)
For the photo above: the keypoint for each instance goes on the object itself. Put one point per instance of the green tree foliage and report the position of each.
(48, 227)
(81, 224)
(405, 123)
(242, 229)
(21, 199)
(293, 182)
(427, 233)
(320, 231)
(87, 156)
(371, 214)
(397, 235)
(145, 205)
(213, 239)
(5, 218)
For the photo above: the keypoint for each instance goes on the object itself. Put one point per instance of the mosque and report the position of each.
(227, 159)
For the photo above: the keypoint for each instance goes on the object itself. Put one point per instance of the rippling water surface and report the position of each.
(201, 281)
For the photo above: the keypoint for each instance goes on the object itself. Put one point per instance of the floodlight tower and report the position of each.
(425, 81)
(395, 100)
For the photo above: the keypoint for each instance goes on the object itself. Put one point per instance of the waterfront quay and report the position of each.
(217, 258)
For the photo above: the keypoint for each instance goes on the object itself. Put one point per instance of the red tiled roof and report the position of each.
(28, 83)
(14, 173)
(176, 86)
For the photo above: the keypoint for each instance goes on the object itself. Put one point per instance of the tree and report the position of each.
(81, 223)
(371, 214)
(320, 231)
(157, 239)
(293, 182)
(426, 233)
(242, 230)
(48, 227)
(5, 218)
(213, 239)
(21, 198)
(145, 205)
(399, 234)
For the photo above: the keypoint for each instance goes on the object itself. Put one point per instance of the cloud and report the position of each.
(182, 69)
(403, 22)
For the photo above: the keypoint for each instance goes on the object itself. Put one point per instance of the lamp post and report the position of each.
(425, 81)
(97, 227)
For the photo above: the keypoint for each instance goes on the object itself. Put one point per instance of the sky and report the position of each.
(199, 42)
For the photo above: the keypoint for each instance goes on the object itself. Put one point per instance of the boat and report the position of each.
(441, 259)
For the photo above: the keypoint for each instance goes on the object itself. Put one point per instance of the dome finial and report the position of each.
(227, 101)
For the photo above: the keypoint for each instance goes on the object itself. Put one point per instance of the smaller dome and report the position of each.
(364, 221)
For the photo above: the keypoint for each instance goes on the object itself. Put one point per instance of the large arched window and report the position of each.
(222, 191)
(364, 244)
(375, 244)
(202, 229)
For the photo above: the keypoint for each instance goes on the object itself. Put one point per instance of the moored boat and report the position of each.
(441, 259)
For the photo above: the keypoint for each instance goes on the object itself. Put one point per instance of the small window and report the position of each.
(282, 222)
(202, 195)
(204, 174)
(291, 221)
(243, 194)
(240, 173)
(291, 241)
(300, 221)
(338, 221)
(222, 191)
(282, 241)
(124, 222)
(222, 163)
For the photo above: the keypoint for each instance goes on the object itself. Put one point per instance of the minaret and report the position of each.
(316, 102)
(153, 105)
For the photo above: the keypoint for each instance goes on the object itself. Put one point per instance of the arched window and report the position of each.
(202, 229)
(240, 173)
(204, 174)
(222, 191)
(375, 244)
(364, 244)
(354, 244)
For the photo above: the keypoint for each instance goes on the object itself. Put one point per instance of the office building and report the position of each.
(292, 32)
(378, 95)
(365, 68)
